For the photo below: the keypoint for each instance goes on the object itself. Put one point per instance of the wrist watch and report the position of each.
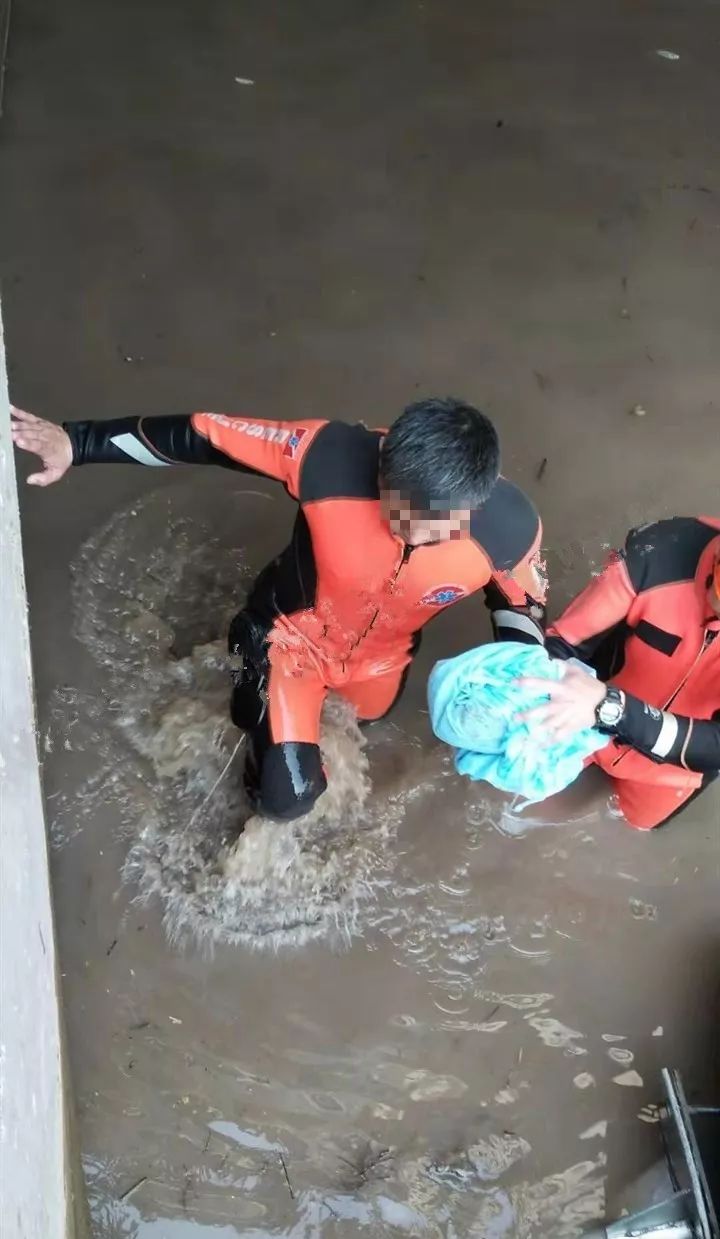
(610, 710)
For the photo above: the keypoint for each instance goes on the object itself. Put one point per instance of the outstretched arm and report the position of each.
(273, 449)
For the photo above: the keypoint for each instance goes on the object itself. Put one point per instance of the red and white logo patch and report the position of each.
(293, 443)
(443, 596)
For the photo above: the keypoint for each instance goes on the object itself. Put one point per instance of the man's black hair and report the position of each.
(441, 451)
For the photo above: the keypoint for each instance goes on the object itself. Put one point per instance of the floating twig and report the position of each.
(135, 1187)
(287, 1176)
(217, 782)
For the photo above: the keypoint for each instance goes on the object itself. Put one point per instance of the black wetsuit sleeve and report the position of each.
(557, 647)
(146, 441)
(513, 621)
(670, 738)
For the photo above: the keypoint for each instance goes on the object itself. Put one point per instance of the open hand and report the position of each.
(46, 440)
(572, 704)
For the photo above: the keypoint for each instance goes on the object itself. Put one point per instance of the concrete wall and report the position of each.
(4, 39)
(39, 1179)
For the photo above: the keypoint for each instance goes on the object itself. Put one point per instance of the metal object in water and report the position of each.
(691, 1211)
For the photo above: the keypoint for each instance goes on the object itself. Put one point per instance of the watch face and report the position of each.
(610, 712)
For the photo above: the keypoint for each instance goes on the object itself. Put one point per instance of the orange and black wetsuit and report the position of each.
(341, 608)
(647, 626)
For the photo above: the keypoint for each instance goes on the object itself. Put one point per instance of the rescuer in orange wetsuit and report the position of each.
(393, 526)
(650, 626)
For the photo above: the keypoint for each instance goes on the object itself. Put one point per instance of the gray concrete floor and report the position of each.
(517, 202)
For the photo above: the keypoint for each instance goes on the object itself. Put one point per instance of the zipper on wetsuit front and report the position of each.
(407, 551)
(708, 639)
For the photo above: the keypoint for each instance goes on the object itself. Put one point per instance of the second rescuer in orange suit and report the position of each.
(392, 527)
(650, 626)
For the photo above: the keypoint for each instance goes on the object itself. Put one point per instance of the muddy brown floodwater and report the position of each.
(419, 1013)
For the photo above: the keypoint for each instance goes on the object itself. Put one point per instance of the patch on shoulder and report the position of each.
(443, 595)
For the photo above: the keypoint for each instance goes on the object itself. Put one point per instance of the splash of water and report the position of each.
(280, 883)
(152, 592)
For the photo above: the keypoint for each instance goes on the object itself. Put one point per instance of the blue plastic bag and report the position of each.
(474, 704)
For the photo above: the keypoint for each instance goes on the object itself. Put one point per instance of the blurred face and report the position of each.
(714, 590)
(420, 525)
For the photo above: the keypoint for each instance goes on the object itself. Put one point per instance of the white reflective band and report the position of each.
(511, 619)
(667, 737)
(139, 452)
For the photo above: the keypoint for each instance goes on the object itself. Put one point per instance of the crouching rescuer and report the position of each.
(393, 526)
(650, 626)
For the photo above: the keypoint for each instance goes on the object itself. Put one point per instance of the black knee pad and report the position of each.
(291, 780)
